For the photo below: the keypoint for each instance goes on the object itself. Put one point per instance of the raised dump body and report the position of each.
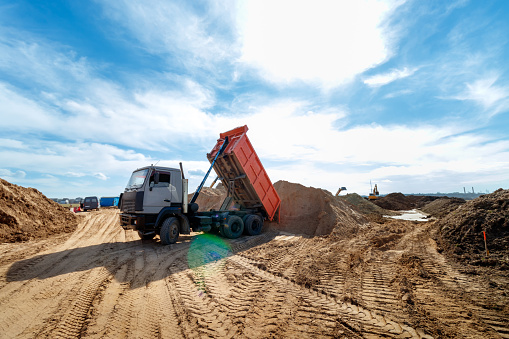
(242, 173)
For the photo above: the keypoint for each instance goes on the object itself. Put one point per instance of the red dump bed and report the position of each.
(242, 172)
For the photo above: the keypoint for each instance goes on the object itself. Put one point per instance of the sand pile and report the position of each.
(363, 205)
(25, 213)
(304, 210)
(401, 202)
(461, 231)
(442, 207)
(313, 211)
(210, 198)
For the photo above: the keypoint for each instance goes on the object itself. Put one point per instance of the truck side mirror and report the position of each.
(156, 178)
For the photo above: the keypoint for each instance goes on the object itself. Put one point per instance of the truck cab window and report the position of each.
(164, 179)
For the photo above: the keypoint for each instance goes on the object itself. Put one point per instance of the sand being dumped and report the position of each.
(312, 211)
(25, 213)
(304, 210)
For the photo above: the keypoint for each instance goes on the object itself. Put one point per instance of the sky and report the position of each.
(410, 95)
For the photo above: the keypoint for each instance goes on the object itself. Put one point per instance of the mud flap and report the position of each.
(185, 227)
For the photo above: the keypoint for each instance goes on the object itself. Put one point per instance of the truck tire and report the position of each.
(169, 231)
(253, 224)
(146, 236)
(233, 227)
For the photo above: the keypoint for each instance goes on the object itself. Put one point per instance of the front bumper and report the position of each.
(132, 221)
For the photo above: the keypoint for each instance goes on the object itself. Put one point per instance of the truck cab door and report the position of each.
(159, 192)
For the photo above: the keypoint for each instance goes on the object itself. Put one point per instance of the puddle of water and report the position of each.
(412, 215)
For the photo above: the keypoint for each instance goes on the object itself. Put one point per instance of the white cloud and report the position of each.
(487, 94)
(72, 159)
(311, 151)
(11, 143)
(22, 114)
(42, 64)
(10, 175)
(328, 42)
(163, 27)
(100, 176)
(198, 172)
(75, 175)
(398, 93)
(384, 79)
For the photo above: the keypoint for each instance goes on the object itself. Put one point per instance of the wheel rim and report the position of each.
(173, 231)
(236, 227)
(256, 225)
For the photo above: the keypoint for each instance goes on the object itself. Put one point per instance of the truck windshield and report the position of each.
(137, 179)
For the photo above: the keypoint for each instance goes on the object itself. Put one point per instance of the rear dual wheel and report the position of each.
(233, 228)
(253, 224)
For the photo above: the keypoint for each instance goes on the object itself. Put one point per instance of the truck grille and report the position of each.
(132, 201)
(128, 205)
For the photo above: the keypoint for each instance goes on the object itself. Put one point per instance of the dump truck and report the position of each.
(155, 201)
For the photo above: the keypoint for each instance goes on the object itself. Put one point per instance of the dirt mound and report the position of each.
(313, 211)
(461, 231)
(210, 198)
(395, 202)
(364, 206)
(441, 207)
(25, 213)
(401, 202)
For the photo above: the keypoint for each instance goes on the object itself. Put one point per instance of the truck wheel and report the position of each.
(233, 228)
(146, 236)
(253, 225)
(170, 231)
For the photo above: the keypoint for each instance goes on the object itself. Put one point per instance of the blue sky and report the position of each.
(412, 95)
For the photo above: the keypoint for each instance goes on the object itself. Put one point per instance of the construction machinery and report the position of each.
(373, 195)
(340, 190)
(214, 182)
(155, 201)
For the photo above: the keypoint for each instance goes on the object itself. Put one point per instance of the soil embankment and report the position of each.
(370, 210)
(461, 232)
(442, 207)
(26, 213)
(400, 202)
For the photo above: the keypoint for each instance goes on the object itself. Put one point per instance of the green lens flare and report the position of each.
(206, 248)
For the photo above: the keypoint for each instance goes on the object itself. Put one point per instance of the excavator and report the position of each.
(373, 195)
(340, 189)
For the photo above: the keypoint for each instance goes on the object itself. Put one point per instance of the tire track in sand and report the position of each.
(358, 318)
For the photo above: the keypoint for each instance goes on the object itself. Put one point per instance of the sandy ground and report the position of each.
(101, 281)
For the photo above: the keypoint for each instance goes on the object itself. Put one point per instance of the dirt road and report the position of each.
(387, 281)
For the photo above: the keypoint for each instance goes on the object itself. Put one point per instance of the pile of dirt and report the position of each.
(304, 210)
(461, 232)
(394, 201)
(401, 202)
(210, 198)
(25, 213)
(312, 211)
(441, 207)
(365, 206)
